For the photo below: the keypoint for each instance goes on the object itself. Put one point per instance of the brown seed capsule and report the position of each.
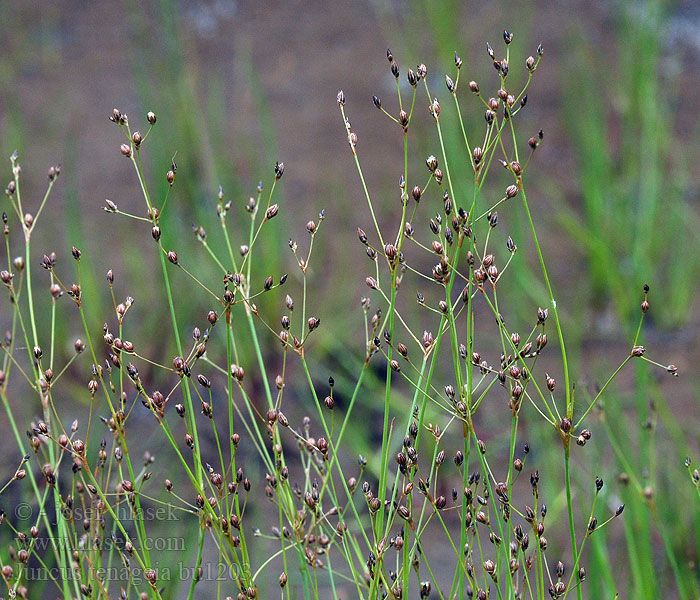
(592, 524)
(492, 272)
(237, 372)
(551, 383)
(125, 150)
(272, 211)
(172, 257)
(541, 341)
(394, 68)
(417, 193)
(412, 78)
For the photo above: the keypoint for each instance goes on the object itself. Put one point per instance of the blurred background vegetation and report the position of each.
(238, 85)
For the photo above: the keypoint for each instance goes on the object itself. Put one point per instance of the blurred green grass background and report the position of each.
(238, 85)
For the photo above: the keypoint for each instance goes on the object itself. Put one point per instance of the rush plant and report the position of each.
(255, 442)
